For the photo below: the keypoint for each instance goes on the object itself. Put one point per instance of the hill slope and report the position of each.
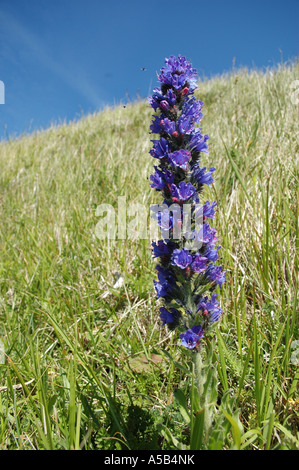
(72, 333)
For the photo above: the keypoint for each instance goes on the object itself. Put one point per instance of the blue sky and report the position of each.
(60, 59)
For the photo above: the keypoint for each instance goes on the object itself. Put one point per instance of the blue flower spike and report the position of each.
(187, 271)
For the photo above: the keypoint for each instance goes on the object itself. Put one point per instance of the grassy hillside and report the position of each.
(87, 363)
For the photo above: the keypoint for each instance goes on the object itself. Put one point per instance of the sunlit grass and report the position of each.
(88, 365)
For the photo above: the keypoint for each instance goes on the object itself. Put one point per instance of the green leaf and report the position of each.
(236, 428)
(197, 431)
(182, 401)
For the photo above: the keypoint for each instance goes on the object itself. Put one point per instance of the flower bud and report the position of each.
(164, 105)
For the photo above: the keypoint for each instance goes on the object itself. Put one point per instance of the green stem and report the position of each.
(198, 374)
(200, 380)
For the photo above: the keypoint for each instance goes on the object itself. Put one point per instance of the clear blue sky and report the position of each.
(60, 59)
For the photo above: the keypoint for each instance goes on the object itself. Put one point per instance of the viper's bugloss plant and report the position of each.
(187, 269)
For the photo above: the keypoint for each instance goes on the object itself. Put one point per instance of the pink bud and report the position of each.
(175, 199)
(175, 134)
(185, 91)
(164, 104)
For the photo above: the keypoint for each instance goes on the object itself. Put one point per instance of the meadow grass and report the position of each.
(87, 363)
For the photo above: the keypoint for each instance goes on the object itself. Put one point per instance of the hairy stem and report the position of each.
(198, 374)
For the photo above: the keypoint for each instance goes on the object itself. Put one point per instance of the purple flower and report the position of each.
(165, 219)
(181, 258)
(178, 72)
(169, 217)
(199, 263)
(215, 274)
(192, 107)
(215, 315)
(185, 124)
(166, 285)
(208, 235)
(155, 126)
(183, 191)
(198, 142)
(179, 158)
(208, 304)
(161, 178)
(157, 180)
(167, 125)
(171, 97)
(205, 235)
(200, 176)
(158, 100)
(210, 308)
(164, 274)
(162, 124)
(191, 337)
(162, 290)
(207, 210)
(168, 176)
(161, 249)
(170, 317)
(212, 253)
(160, 148)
